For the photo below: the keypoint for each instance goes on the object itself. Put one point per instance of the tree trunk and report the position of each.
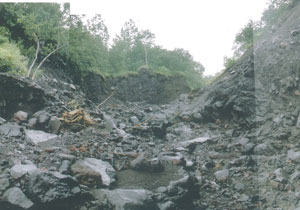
(36, 55)
(146, 56)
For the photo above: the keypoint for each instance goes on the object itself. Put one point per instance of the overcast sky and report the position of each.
(206, 28)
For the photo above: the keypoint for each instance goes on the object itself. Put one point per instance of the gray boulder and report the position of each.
(93, 172)
(19, 170)
(222, 175)
(43, 117)
(42, 187)
(54, 124)
(10, 130)
(145, 162)
(16, 198)
(36, 137)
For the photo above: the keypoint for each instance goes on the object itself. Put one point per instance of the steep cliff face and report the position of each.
(146, 86)
(277, 66)
(265, 81)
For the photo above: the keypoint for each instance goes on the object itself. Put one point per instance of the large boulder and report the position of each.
(42, 187)
(93, 172)
(14, 198)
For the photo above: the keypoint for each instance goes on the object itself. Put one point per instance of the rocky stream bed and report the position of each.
(231, 145)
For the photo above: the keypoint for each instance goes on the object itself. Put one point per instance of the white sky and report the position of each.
(206, 28)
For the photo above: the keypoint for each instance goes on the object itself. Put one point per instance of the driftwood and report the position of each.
(77, 116)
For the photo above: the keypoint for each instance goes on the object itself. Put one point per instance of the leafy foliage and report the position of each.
(11, 59)
(252, 31)
(46, 26)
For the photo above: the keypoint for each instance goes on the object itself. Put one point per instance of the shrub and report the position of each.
(11, 59)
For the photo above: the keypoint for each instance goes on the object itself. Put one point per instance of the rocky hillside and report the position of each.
(232, 145)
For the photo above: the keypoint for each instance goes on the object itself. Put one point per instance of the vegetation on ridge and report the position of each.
(253, 30)
(41, 29)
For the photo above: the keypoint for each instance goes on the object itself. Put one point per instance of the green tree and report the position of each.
(244, 39)
(38, 23)
(97, 27)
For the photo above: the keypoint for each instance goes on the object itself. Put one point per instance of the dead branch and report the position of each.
(103, 102)
(45, 58)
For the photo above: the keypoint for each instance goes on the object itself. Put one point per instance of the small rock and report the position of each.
(243, 198)
(222, 175)
(42, 116)
(295, 32)
(72, 87)
(298, 122)
(243, 141)
(283, 45)
(239, 186)
(4, 184)
(294, 156)
(16, 197)
(191, 144)
(32, 122)
(54, 124)
(262, 149)
(2, 121)
(20, 116)
(248, 148)
(134, 120)
(36, 137)
(11, 130)
(64, 167)
(169, 205)
(18, 171)
(145, 162)
(109, 123)
(67, 157)
(149, 109)
(197, 117)
(276, 185)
